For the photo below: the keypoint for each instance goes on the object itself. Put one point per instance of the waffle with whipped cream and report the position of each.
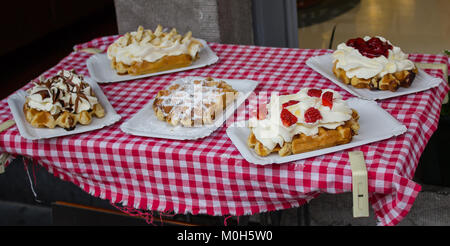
(193, 102)
(62, 100)
(144, 51)
(373, 63)
(305, 121)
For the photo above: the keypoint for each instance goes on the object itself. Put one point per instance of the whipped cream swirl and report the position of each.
(271, 130)
(356, 65)
(145, 45)
(66, 91)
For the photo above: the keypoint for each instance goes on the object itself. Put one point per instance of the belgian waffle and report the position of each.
(390, 81)
(135, 52)
(66, 120)
(65, 98)
(302, 143)
(373, 63)
(193, 103)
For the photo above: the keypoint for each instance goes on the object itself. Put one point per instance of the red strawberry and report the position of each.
(327, 99)
(371, 48)
(291, 102)
(312, 115)
(314, 92)
(287, 118)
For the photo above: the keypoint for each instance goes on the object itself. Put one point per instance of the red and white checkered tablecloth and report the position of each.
(209, 176)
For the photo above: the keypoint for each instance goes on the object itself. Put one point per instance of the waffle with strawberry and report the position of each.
(305, 121)
(373, 63)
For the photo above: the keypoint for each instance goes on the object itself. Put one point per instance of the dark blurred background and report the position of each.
(38, 34)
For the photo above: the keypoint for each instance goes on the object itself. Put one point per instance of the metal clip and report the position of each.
(91, 50)
(4, 156)
(441, 66)
(359, 184)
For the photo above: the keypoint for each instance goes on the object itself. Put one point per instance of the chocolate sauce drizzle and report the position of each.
(57, 94)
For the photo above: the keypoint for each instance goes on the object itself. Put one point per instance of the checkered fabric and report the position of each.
(209, 176)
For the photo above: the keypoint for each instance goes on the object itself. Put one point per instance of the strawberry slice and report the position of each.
(314, 92)
(312, 115)
(327, 99)
(287, 118)
(291, 102)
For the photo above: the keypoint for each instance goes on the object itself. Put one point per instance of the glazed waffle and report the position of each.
(193, 103)
(303, 143)
(158, 42)
(390, 81)
(66, 98)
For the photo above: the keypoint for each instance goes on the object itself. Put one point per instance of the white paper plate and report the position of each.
(324, 65)
(375, 124)
(144, 123)
(27, 131)
(100, 69)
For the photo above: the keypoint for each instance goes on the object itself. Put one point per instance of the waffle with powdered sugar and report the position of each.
(194, 102)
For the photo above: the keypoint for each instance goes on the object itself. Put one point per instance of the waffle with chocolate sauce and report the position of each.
(193, 102)
(149, 43)
(63, 100)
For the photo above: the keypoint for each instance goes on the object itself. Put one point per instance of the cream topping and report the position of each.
(65, 91)
(354, 64)
(271, 131)
(145, 45)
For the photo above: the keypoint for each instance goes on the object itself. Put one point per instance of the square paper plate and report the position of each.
(375, 124)
(324, 65)
(27, 131)
(100, 69)
(144, 123)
